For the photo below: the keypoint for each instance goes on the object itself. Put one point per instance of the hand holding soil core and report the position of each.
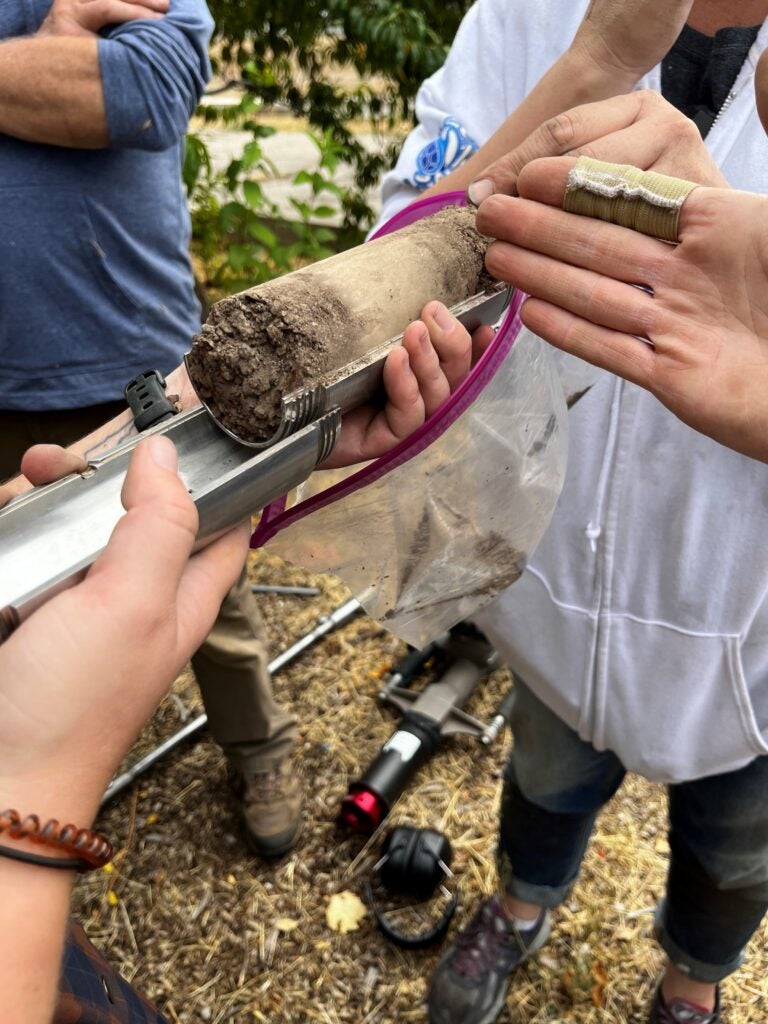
(283, 335)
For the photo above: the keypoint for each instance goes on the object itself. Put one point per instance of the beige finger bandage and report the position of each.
(625, 195)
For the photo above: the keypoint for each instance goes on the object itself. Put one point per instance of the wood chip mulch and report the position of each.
(215, 935)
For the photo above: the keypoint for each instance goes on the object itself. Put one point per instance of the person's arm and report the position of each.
(572, 80)
(705, 315)
(63, 673)
(50, 91)
(50, 83)
(153, 74)
(136, 87)
(617, 43)
(35, 907)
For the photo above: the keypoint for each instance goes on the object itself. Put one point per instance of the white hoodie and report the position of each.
(642, 619)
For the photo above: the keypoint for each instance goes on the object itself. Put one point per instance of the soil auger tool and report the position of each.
(50, 536)
(462, 658)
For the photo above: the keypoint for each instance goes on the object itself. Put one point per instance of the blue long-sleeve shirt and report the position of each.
(95, 279)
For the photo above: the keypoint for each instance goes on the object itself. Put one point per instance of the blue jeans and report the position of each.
(717, 886)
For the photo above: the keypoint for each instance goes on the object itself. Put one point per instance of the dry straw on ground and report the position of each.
(214, 935)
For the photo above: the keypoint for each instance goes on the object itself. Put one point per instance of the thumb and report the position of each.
(498, 178)
(151, 544)
(45, 463)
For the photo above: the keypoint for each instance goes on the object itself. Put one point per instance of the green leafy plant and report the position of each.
(239, 239)
(296, 55)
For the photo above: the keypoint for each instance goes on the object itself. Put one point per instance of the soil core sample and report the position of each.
(283, 335)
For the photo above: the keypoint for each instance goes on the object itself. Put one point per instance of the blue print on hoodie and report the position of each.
(444, 154)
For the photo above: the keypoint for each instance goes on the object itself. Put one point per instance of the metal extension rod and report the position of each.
(326, 624)
(51, 535)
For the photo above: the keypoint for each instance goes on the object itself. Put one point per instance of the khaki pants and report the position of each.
(231, 666)
(231, 669)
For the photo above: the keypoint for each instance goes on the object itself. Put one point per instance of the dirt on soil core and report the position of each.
(283, 335)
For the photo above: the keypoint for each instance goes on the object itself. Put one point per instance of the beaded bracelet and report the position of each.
(88, 849)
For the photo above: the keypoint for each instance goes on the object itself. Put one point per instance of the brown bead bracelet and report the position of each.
(89, 849)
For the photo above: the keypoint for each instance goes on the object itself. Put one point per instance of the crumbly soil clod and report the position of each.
(285, 334)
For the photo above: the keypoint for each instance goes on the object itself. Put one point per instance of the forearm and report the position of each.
(571, 81)
(35, 902)
(33, 918)
(50, 92)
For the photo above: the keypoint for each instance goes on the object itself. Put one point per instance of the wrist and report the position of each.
(33, 919)
(53, 26)
(51, 843)
(48, 798)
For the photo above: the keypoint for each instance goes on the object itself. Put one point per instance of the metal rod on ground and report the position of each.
(270, 588)
(326, 624)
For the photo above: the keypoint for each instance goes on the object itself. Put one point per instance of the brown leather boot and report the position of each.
(272, 802)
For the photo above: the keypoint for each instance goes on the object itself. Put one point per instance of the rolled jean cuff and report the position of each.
(542, 895)
(696, 970)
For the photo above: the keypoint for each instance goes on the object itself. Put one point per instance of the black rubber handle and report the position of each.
(413, 663)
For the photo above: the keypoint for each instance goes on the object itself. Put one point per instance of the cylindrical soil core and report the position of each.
(283, 335)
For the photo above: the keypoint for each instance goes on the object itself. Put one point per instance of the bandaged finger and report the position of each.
(621, 194)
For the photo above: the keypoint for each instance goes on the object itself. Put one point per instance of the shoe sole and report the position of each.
(498, 1005)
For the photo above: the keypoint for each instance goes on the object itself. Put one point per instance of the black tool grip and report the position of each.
(146, 398)
(409, 667)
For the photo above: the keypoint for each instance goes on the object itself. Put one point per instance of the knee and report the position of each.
(740, 872)
(736, 868)
(551, 785)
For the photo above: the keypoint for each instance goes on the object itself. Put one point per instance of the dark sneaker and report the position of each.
(680, 1011)
(272, 802)
(469, 985)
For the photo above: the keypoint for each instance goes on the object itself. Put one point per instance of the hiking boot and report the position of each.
(470, 983)
(272, 801)
(680, 1011)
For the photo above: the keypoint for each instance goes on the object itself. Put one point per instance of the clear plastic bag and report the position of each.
(431, 532)
(576, 375)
